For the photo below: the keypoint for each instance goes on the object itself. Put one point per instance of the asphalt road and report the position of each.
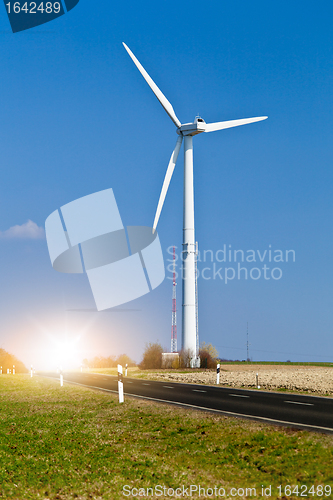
(305, 412)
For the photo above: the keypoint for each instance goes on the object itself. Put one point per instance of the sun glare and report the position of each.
(65, 354)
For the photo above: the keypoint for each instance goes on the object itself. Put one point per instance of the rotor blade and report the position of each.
(211, 127)
(167, 180)
(161, 97)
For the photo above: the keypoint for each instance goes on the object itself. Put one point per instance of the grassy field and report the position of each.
(71, 442)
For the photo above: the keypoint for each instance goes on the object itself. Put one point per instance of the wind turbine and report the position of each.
(186, 131)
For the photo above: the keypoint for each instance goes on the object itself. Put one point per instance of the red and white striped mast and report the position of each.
(174, 308)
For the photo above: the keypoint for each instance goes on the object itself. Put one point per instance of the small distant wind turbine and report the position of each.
(186, 131)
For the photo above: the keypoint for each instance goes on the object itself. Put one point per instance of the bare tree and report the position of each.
(152, 356)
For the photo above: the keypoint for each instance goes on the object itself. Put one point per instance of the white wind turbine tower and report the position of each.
(186, 132)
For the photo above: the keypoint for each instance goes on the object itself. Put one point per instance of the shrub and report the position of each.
(208, 355)
(209, 348)
(109, 362)
(124, 360)
(185, 358)
(152, 356)
(206, 360)
(7, 360)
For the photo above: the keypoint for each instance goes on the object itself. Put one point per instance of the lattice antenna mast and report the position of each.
(174, 307)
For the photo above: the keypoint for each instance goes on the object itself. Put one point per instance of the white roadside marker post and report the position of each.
(120, 384)
(81, 368)
(218, 374)
(257, 381)
(126, 369)
(31, 372)
(61, 378)
(7, 371)
(13, 369)
(1, 370)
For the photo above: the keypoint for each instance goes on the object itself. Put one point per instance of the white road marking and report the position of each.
(299, 403)
(239, 395)
(197, 390)
(128, 382)
(168, 387)
(145, 384)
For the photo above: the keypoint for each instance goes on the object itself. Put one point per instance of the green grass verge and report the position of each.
(71, 442)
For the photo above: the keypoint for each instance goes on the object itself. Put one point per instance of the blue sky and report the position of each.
(77, 117)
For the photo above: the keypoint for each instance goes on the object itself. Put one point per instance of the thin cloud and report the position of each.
(29, 231)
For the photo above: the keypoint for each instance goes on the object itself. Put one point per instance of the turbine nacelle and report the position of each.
(198, 126)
